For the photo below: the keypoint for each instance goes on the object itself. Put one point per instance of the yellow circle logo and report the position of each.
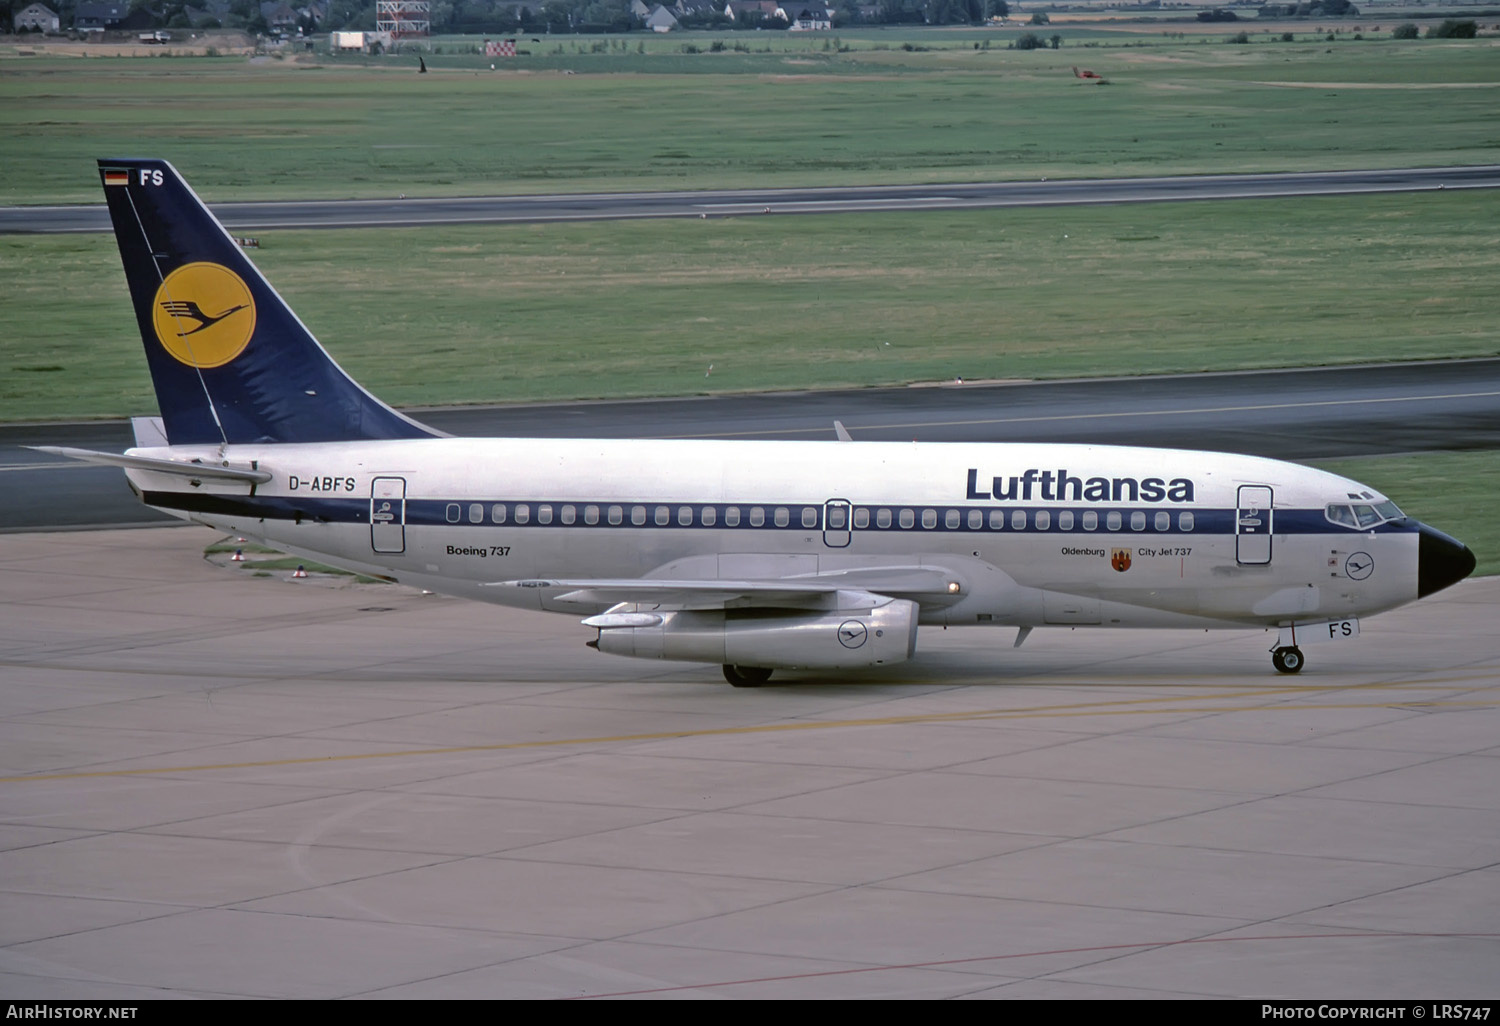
(204, 315)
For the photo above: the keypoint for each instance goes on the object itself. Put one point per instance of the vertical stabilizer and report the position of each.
(230, 361)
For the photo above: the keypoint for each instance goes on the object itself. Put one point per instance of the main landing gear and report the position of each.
(746, 676)
(1288, 660)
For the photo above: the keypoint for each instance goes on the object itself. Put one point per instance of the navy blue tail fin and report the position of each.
(230, 361)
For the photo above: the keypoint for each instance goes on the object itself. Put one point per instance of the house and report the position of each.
(99, 15)
(806, 17)
(36, 18)
(735, 10)
(660, 19)
(280, 17)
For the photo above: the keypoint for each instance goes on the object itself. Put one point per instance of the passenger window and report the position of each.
(591, 514)
(810, 516)
(1138, 521)
(685, 516)
(544, 514)
(883, 518)
(1065, 520)
(455, 512)
(1018, 520)
(476, 512)
(861, 518)
(568, 514)
(782, 516)
(997, 519)
(1112, 520)
(929, 519)
(663, 516)
(616, 515)
(710, 516)
(976, 519)
(908, 518)
(732, 516)
(757, 516)
(638, 515)
(1163, 521)
(523, 513)
(1043, 520)
(1184, 521)
(1090, 520)
(838, 518)
(497, 512)
(951, 519)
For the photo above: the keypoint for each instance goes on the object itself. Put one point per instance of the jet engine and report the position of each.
(882, 631)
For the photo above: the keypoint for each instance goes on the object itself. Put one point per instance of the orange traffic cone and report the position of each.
(300, 572)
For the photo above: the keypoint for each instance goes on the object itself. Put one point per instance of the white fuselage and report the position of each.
(1030, 534)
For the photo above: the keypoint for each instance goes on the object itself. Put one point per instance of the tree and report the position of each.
(1040, 18)
(1406, 31)
(1451, 28)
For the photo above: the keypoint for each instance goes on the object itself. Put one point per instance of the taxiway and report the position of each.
(217, 784)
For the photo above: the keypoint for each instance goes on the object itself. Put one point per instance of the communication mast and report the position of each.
(403, 19)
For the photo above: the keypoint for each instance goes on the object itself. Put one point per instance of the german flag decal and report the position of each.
(116, 177)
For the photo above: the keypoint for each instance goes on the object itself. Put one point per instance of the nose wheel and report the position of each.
(1288, 660)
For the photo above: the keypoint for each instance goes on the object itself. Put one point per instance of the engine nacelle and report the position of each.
(773, 638)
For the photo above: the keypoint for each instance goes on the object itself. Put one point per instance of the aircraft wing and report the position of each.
(185, 468)
(804, 591)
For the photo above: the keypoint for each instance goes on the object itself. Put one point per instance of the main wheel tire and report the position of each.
(746, 676)
(1288, 660)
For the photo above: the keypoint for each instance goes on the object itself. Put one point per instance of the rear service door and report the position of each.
(388, 514)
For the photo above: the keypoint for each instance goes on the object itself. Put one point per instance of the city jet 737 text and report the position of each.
(752, 555)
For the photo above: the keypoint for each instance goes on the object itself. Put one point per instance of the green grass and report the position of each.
(1453, 492)
(614, 309)
(794, 116)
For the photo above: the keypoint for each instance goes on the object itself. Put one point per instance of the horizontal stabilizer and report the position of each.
(185, 468)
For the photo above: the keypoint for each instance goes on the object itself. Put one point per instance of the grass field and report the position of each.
(468, 314)
(567, 119)
(479, 314)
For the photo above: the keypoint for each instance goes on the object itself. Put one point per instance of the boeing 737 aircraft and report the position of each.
(752, 555)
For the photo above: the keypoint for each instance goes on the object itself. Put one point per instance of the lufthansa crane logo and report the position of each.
(203, 314)
(853, 634)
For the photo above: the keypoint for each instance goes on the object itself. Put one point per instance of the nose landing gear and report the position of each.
(1288, 660)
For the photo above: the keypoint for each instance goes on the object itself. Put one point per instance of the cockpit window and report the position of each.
(1360, 516)
(1341, 515)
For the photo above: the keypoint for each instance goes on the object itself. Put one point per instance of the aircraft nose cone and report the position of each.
(1441, 561)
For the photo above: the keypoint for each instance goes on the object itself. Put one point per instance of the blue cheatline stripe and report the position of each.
(449, 513)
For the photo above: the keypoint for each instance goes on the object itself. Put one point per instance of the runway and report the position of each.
(1305, 414)
(408, 212)
(223, 785)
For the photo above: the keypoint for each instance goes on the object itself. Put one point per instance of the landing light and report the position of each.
(953, 588)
